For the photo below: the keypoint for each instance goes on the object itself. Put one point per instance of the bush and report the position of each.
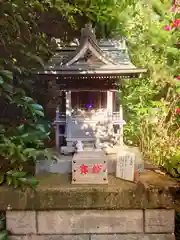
(151, 104)
(22, 140)
(3, 231)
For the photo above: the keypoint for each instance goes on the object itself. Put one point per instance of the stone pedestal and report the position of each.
(121, 210)
(112, 152)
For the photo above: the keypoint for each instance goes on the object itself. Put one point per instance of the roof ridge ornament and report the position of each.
(88, 32)
(88, 43)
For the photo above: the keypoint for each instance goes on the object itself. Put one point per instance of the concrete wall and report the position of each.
(150, 224)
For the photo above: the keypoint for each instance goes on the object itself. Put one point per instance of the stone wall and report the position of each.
(132, 224)
(121, 210)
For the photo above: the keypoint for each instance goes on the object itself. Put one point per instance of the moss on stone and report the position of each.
(55, 191)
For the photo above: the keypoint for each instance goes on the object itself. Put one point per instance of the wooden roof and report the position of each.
(93, 58)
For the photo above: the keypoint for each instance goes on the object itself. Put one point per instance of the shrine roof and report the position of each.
(93, 57)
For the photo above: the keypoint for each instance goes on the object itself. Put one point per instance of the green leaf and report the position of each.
(17, 69)
(37, 106)
(178, 90)
(177, 83)
(41, 128)
(20, 167)
(39, 113)
(10, 172)
(28, 100)
(21, 128)
(31, 136)
(4, 235)
(1, 178)
(1, 223)
(7, 74)
(9, 180)
(15, 182)
(19, 174)
(7, 87)
(1, 80)
(29, 181)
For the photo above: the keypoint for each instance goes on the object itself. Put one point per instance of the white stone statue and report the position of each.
(98, 143)
(79, 146)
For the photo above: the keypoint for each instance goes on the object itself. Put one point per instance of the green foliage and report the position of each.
(150, 103)
(23, 47)
(21, 42)
(3, 232)
(22, 142)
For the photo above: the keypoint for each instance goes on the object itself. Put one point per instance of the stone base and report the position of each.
(122, 210)
(67, 150)
(155, 224)
(64, 165)
(96, 237)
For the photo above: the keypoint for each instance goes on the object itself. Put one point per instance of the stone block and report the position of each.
(134, 237)
(90, 221)
(112, 160)
(21, 222)
(66, 150)
(42, 167)
(50, 237)
(159, 221)
(63, 165)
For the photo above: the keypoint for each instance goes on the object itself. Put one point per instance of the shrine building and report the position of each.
(88, 73)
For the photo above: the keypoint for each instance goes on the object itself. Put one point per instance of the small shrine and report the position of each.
(88, 73)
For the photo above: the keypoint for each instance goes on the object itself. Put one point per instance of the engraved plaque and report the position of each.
(89, 167)
(126, 166)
